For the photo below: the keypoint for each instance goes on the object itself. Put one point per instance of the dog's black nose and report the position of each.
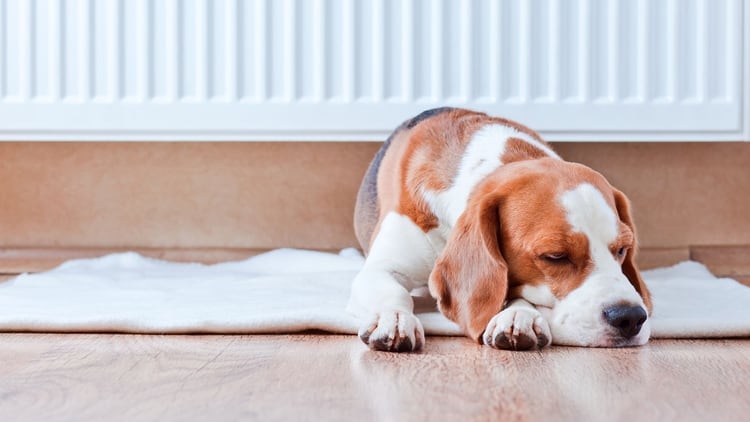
(628, 320)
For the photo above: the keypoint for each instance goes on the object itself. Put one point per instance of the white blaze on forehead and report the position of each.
(589, 213)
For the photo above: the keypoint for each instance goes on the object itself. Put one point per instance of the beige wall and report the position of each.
(179, 194)
(266, 195)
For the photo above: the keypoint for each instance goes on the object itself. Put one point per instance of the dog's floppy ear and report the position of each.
(628, 266)
(470, 278)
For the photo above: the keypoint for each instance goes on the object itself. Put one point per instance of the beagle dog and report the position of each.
(520, 248)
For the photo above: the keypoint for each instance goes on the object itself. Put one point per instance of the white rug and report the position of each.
(289, 290)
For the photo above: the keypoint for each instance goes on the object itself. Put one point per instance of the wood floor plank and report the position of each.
(327, 377)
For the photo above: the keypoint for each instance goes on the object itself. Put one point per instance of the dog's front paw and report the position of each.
(393, 331)
(517, 329)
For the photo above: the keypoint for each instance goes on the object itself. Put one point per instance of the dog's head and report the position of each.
(556, 234)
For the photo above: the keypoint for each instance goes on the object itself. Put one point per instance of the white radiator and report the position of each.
(354, 69)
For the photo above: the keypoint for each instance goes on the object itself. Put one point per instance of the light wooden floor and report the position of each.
(326, 377)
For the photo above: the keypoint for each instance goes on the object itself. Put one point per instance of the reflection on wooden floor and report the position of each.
(327, 377)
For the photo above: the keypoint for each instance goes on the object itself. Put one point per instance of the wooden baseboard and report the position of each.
(723, 261)
(649, 258)
(16, 261)
(728, 261)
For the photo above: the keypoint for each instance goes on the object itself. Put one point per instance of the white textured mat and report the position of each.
(291, 290)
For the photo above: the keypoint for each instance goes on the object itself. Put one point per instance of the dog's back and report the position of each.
(367, 208)
(439, 147)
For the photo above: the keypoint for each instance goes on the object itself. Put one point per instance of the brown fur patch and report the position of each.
(389, 179)
(516, 149)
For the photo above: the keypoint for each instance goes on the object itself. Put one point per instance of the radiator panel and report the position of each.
(354, 69)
